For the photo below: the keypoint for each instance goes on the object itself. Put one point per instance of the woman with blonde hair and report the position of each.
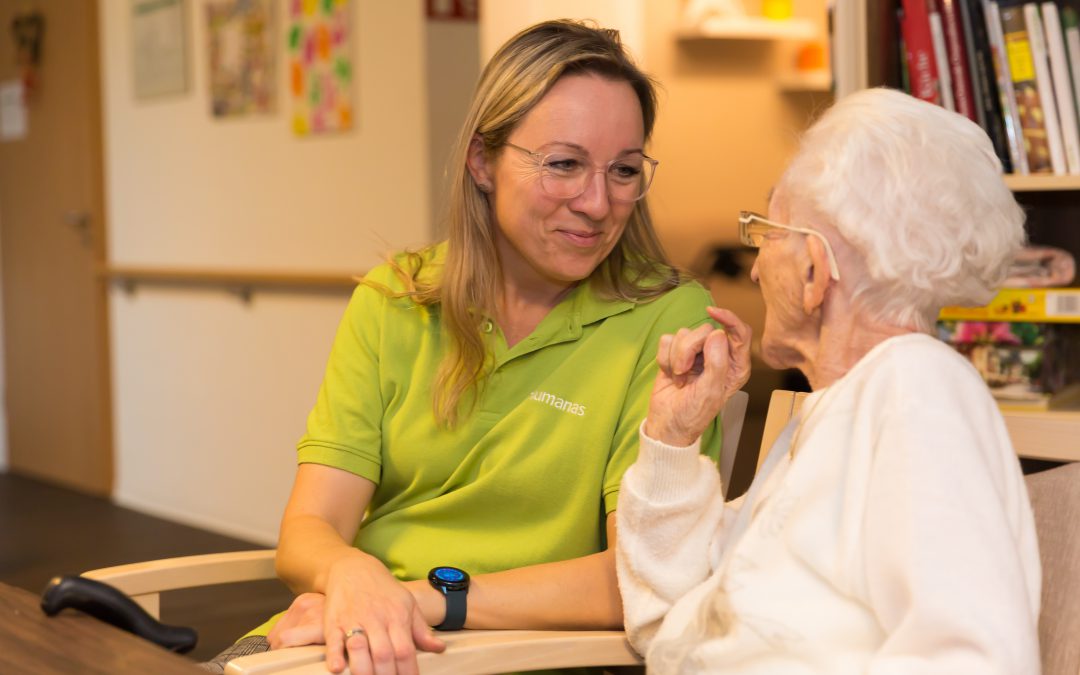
(461, 466)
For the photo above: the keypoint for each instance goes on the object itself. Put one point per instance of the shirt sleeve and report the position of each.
(944, 571)
(683, 307)
(671, 515)
(344, 429)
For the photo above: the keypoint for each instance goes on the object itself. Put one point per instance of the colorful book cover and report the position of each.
(1028, 103)
(1045, 305)
(1062, 83)
(1009, 356)
(956, 50)
(984, 83)
(1003, 76)
(919, 51)
(1040, 58)
(941, 57)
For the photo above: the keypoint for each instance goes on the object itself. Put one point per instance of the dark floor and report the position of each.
(47, 531)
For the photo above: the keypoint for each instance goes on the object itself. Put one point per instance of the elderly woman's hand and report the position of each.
(699, 371)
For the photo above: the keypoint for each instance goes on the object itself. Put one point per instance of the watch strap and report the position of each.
(456, 608)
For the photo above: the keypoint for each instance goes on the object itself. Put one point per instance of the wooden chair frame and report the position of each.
(469, 652)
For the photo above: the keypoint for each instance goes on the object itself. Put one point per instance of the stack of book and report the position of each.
(1012, 66)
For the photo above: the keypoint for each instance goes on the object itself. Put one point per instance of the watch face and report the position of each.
(450, 578)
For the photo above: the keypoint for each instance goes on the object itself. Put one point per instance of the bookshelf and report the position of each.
(1042, 183)
(1052, 202)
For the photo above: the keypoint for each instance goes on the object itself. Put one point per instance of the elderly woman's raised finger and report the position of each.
(737, 329)
(686, 347)
(663, 354)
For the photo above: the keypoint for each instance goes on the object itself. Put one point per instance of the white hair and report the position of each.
(917, 191)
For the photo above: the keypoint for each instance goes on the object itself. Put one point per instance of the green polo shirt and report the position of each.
(530, 474)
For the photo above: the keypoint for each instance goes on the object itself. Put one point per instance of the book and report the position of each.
(1042, 305)
(941, 56)
(1027, 366)
(1070, 26)
(1003, 76)
(1040, 58)
(983, 81)
(957, 54)
(1062, 83)
(1026, 91)
(919, 51)
(1008, 356)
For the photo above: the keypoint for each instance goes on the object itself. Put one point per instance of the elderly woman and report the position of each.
(461, 466)
(889, 529)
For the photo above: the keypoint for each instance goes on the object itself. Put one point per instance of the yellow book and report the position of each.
(1039, 305)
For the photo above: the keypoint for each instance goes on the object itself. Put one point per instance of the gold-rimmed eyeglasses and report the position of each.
(754, 227)
(565, 174)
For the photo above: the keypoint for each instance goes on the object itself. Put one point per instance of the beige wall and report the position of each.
(210, 393)
(453, 66)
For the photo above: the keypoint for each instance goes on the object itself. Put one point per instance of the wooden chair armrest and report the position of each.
(473, 652)
(192, 571)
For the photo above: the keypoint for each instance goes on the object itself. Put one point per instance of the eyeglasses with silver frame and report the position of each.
(753, 227)
(565, 174)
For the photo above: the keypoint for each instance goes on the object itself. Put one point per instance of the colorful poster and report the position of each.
(241, 57)
(320, 66)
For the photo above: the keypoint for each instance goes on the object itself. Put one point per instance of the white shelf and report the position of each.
(808, 81)
(1041, 183)
(750, 28)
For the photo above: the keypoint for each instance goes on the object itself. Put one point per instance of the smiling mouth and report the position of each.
(580, 238)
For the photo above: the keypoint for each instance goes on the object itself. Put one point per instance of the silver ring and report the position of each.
(354, 631)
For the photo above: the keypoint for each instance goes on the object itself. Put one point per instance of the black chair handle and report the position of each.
(110, 605)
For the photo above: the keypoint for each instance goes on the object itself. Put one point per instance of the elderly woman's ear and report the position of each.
(818, 276)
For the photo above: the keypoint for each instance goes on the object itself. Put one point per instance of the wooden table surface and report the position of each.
(72, 642)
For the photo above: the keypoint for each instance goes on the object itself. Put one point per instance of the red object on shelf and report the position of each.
(453, 10)
(919, 48)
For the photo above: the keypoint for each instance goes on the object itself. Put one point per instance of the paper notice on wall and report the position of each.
(13, 122)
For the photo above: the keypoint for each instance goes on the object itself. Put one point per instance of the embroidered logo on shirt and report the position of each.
(558, 403)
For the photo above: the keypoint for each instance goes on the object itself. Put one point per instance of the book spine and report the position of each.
(956, 51)
(978, 85)
(1040, 58)
(1028, 103)
(919, 51)
(941, 59)
(1003, 75)
(1062, 82)
(1070, 24)
(984, 83)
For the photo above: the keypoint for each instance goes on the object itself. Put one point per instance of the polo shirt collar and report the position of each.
(565, 322)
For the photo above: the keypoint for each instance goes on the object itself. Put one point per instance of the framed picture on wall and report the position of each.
(159, 48)
(240, 53)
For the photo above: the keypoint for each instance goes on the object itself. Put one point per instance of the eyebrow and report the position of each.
(585, 151)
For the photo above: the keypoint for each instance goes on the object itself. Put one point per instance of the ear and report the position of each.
(818, 277)
(478, 164)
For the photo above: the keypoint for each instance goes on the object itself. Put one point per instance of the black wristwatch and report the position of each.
(454, 584)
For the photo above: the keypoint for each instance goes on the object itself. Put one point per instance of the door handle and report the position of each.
(80, 220)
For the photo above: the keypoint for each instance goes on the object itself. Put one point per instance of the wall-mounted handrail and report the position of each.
(244, 283)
